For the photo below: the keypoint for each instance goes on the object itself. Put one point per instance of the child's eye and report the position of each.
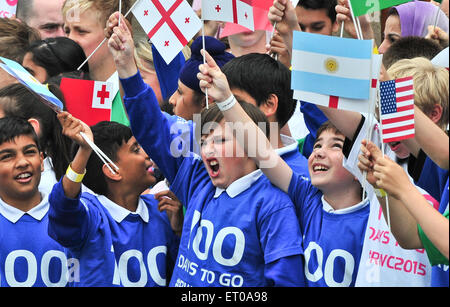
(338, 145)
(30, 152)
(317, 146)
(5, 157)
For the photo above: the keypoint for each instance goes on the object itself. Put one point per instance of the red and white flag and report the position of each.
(169, 24)
(234, 11)
(90, 101)
(397, 109)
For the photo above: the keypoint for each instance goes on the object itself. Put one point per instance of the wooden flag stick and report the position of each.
(105, 39)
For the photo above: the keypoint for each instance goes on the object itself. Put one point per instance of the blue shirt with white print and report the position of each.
(114, 246)
(28, 256)
(248, 238)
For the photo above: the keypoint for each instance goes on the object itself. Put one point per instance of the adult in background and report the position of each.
(43, 15)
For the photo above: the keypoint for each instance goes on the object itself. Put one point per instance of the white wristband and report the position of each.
(227, 104)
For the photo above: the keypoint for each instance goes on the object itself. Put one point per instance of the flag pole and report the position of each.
(204, 59)
(436, 17)
(388, 218)
(358, 34)
(105, 39)
(120, 10)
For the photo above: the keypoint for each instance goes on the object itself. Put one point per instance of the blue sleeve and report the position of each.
(314, 118)
(68, 218)
(167, 74)
(286, 272)
(152, 129)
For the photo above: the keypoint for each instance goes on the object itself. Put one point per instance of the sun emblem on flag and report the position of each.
(331, 65)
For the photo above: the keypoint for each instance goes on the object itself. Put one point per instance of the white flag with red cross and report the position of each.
(234, 11)
(169, 24)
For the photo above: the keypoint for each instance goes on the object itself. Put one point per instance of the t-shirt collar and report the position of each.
(13, 214)
(239, 185)
(119, 213)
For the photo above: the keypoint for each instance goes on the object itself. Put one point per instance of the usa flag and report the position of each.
(397, 109)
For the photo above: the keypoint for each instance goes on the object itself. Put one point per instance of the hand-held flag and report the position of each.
(362, 7)
(397, 109)
(234, 11)
(169, 24)
(23, 76)
(331, 65)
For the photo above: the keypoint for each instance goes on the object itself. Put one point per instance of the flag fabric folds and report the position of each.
(397, 109)
(23, 76)
(362, 7)
(169, 24)
(331, 65)
(234, 11)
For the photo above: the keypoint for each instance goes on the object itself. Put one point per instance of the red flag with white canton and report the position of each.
(397, 109)
(169, 24)
(234, 11)
(87, 100)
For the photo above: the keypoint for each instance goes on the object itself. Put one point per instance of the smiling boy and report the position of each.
(26, 248)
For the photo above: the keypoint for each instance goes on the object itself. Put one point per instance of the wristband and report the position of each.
(227, 104)
(380, 192)
(73, 176)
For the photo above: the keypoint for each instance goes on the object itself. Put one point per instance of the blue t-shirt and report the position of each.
(28, 256)
(114, 248)
(332, 242)
(252, 239)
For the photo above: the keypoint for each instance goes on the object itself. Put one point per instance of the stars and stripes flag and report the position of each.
(169, 24)
(397, 109)
(234, 11)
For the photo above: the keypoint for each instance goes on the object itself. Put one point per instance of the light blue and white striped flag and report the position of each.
(331, 65)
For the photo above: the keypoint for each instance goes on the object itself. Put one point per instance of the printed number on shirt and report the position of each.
(325, 267)
(216, 242)
(17, 258)
(121, 268)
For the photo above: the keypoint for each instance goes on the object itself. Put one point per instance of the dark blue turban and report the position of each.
(188, 74)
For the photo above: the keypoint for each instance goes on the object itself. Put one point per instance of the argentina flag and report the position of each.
(331, 65)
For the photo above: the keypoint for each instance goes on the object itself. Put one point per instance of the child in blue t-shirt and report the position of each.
(332, 215)
(238, 230)
(119, 236)
(28, 256)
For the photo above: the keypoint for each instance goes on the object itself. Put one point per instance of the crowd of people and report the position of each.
(207, 183)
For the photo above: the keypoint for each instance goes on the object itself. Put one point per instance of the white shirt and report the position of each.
(240, 185)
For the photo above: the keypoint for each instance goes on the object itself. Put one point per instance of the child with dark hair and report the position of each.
(120, 236)
(23, 214)
(252, 236)
(52, 56)
(16, 100)
(317, 16)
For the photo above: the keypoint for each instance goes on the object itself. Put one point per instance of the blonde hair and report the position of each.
(104, 8)
(430, 85)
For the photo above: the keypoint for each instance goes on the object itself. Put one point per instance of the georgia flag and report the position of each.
(234, 11)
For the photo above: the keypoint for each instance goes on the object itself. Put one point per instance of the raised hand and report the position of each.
(213, 79)
(71, 127)
(121, 46)
(169, 202)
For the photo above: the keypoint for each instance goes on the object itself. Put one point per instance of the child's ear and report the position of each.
(36, 125)
(42, 161)
(270, 106)
(114, 176)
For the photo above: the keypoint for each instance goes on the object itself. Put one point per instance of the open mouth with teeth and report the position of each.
(319, 168)
(214, 167)
(24, 177)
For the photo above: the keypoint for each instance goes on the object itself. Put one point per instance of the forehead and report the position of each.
(330, 134)
(18, 142)
(393, 25)
(311, 16)
(83, 17)
(212, 129)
